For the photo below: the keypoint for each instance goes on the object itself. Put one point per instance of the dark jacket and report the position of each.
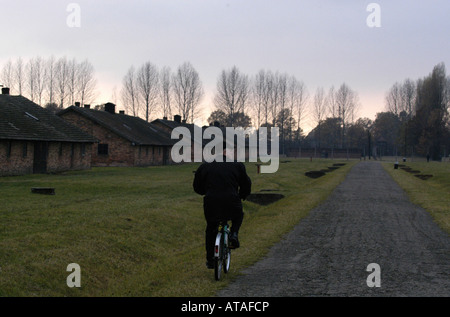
(224, 184)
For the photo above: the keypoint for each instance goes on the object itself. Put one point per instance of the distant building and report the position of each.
(34, 140)
(123, 140)
(169, 125)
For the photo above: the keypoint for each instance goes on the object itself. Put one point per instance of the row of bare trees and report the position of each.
(273, 98)
(53, 81)
(269, 98)
(148, 90)
(339, 106)
(401, 98)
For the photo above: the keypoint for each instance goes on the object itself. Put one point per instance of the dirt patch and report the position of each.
(416, 172)
(423, 176)
(410, 170)
(264, 198)
(322, 172)
(315, 174)
(43, 190)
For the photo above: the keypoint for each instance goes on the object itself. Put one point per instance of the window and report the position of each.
(103, 149)
(83, 149)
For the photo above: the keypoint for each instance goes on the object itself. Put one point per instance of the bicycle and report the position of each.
(222, 251)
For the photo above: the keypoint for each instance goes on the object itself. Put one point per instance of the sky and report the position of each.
(323, 43)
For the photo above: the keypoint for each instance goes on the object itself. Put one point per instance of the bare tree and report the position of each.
(7, 75)
(62, 78)
(408, 97)
(51, 79)
(86, 82)
(297, 98)
(130, 93)
(72, 80)
(187, 90)
(147, 83)
(30, 76)
(19, 75)
(347, 103)
(319, 109)
(165, 92)
(39, 73)
(232, 93)
(333, 107)
(282, 86)
(394, 99)
(260, 97)
(273, 87)
(283, 119)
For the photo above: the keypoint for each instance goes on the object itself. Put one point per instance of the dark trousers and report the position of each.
(211, 232)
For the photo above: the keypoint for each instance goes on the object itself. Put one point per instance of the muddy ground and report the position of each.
(367, 219)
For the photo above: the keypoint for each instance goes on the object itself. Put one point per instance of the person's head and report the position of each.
(228, 153)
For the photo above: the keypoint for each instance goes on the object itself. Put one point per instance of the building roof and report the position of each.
(190, 126)
(22, 119)
(172, 124)
(133, 129)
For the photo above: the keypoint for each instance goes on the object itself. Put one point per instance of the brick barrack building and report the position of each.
(34, 140)
(123, 140)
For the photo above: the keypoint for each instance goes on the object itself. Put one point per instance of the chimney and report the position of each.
(110, 107)
(177, 118)
(184, 121)
(5, 91)
(164, 118)
(122, 111)
(87, 106)
(77, 104)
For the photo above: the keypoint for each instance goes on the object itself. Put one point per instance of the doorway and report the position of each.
(40, 157)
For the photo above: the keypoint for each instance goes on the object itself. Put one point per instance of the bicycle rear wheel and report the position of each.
(227, 260)
(218, 269)
(218, 258)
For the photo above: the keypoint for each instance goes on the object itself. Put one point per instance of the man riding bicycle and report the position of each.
(224, 184)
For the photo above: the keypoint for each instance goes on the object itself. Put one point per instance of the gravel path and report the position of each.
(367, 219)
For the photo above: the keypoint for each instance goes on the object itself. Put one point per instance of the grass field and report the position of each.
(433, 194)
(137, 231)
